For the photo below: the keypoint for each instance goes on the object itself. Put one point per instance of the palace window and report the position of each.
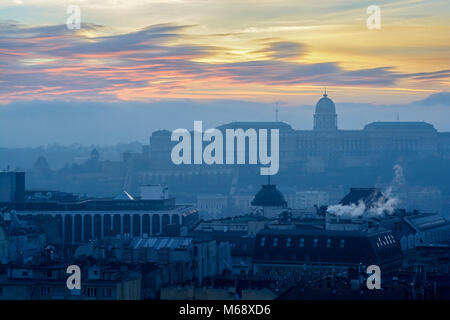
(107, 292)
(275, 242)
(91, 292)
(288, 242)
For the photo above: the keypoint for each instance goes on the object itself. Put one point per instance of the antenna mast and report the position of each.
(276, 111)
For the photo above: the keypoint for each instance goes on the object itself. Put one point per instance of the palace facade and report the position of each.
(326, 146)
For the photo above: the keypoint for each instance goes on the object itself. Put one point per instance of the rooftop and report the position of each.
(269, 196)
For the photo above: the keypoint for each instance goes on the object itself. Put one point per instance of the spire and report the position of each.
(325, 92)
(276, 112)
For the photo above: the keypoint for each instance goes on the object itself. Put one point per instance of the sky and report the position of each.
(253, 52)
(256, 50)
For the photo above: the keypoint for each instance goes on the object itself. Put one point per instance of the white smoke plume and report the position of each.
(384, 205)
(348, 211)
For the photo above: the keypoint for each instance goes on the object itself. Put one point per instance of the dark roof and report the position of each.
(269, 196)
(311, 230)
(426, 221)
(399, 125)
(240, 243)
(94, 153)
(239, 219)
(41, 163)
(368, 195)
(92, 205)
(309, 245)
(162, 132)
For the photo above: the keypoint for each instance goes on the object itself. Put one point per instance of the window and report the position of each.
(288, 242)
(342, 244)
(91, 292)
(316, 242)
(302, 243)
(263, 241)
(329, 243)
(275, 242)
(107, 292)
(45, 291)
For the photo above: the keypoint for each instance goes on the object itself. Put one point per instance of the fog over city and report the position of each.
(87, 123)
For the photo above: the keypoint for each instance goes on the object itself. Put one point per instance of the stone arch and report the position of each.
(107, 225)
(78, 222)
(155, 224)
(97, 226)
(67, 228)
(126, 224)
(165, 219)
(175, 219)
(87, 227)
(136, 225)
(116, 224)
(146, 224)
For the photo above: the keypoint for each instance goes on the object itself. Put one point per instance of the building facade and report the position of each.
(323, 148)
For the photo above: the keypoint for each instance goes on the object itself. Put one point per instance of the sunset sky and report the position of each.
(254, 50)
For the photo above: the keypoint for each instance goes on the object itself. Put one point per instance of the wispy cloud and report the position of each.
(48, 62)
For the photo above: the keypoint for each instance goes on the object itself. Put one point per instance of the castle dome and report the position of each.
(325, 117)
(325, 106)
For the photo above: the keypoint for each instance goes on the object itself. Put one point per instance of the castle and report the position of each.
(326, 147)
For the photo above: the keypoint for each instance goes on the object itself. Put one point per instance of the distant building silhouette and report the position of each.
(325, 147)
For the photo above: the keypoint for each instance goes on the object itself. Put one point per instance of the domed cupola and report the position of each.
(269, 196)
(325, 117)
(270, 200)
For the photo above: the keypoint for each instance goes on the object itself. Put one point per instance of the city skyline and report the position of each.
(198, 150)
